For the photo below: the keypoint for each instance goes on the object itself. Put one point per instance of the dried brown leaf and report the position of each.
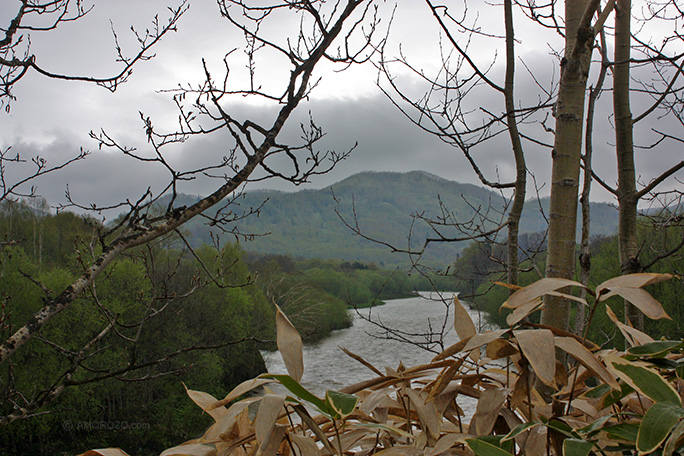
(242, 388)
(307, 446)
(536, 441)
(105, 452)
(290, 345)
(448, 441)
(313, 426)
(521, 390)
(352, 437)
(452, 350)
(568, 297)
(400, 450)
(193, 449)
(521, 312)
(207, 403)
(443, 379)
(243, 425)
(226, 425)
(274, 442)
(587, 359)
(427, 413)
(640, 299)
(632, 335)
(631, 281)
(538, 347)
(500, 348)
(510, 286)
(562, 333)
(378, 398)
(561, 375)
(483, 339)
(488, 408)
(270, 409)
(463, 324)
(536, 290)
(371, 383)
(361, 360)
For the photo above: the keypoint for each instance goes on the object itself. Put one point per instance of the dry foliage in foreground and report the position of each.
(607, 403)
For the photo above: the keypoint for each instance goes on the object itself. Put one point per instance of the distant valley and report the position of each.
(304, 223)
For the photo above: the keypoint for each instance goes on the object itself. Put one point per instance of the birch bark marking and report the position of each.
(624, 148)
(567, 152)
(521, 168)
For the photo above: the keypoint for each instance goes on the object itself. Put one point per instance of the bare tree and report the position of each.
(18, 60)
(37, 16)
(449, 110)
(446, 109)
(342, 33)
(668, 63)
(579, 41)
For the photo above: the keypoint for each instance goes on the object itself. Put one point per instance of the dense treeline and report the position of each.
(477, 269)
(201, 298)
(355, 283)
(145, 409)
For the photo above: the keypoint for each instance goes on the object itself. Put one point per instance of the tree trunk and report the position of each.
(585, 200)
(521, 169)
(624, 146)
(567, 152)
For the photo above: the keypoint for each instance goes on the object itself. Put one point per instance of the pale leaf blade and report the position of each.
(483, 339)
(642, 300)
(587, 359)
(632, 281)
(488, 408)
(290, 345)
(206, 402)
(306, 446)
(193, 449)
(105, 452)
(242, 388)
(632, 335)
(463, 323)
(270, 407)
(538, 346)
(536, 290)
(361, 360)
(426, 412)
(521, 312)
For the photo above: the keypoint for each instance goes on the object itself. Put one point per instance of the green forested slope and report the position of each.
(304, 223)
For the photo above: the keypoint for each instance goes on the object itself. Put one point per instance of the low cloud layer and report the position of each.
(52, 118)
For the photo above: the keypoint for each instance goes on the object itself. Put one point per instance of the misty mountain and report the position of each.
(386, 206)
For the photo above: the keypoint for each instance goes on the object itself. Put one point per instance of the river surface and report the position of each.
(327, 367)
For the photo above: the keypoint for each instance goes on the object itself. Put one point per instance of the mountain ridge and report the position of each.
(307, 223)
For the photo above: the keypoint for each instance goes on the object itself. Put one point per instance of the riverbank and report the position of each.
(409, 331)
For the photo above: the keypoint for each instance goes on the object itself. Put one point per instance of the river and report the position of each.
(327, 367)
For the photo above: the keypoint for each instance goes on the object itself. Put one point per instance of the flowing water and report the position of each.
(327, 367)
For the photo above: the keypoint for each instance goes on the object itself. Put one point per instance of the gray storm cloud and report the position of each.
(52, 118)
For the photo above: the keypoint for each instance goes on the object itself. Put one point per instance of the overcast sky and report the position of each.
(52, 118)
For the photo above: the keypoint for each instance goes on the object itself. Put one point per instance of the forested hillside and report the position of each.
(124, 351)
(162, 317)
(476, 274)
(305, 223)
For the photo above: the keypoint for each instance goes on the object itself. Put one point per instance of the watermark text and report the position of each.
(112, 425)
